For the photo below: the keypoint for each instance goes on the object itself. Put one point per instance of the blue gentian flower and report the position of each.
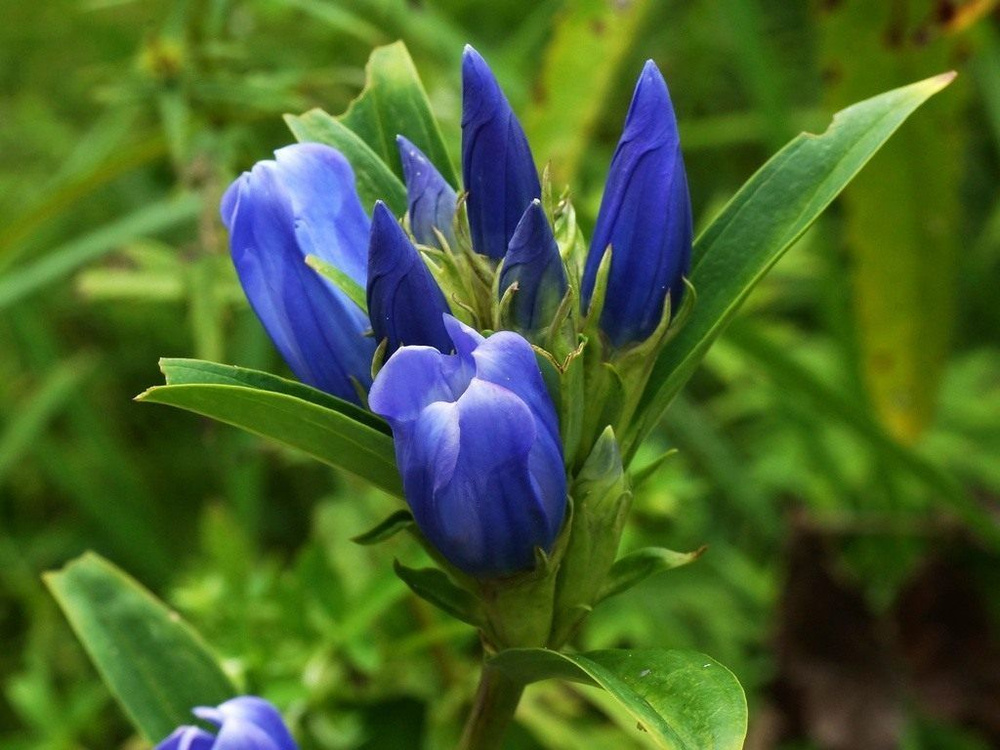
(404, 301)
(497, 167)
(477, 444)
(304, 203)
(245, 723)
(645, 217)
(533, 261)
(431, 200)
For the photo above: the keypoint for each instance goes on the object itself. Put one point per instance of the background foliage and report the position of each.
(830, 452)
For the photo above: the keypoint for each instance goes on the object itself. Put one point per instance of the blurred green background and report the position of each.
(838, 451)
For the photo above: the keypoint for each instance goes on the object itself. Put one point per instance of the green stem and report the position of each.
(496, 700)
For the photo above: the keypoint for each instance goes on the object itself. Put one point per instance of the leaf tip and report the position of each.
(145, 395)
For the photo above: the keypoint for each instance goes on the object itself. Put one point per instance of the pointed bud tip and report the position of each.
(651, 80)
(475, 69)
(382, 217)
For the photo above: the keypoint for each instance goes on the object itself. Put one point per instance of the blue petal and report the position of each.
(480, 457)
(242, 735)
(187, 738)
(317, 329)
(251, 718)
(404, 301)
(533, 261)
(645, 217)
(497, 166)
(473, 494)
(413, 379)
(329, 219)
(506, 359)
(465, 338)
(431, 200)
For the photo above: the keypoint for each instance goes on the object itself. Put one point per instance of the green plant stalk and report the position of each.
(492, 711)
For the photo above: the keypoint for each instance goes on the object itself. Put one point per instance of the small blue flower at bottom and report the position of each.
(245, 723)
(477, 443)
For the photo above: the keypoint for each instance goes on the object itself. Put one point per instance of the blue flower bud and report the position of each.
(304, 203)
(533, 261)
(245, 723)
(497, 166)
(645, 217)
(477, 443)
(431, 200)
(404, 301)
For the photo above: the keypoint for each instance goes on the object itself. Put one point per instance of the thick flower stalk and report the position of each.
(477, 443)
(645, 218)
(304, 203)
(244, 723)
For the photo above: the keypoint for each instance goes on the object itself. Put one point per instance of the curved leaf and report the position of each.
(153, 662)
(683, 699)
(330, 435)
(393, 102)
(181, 371)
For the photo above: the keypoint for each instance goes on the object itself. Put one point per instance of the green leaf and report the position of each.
(375, 180)
(434, 586)
(153, 662)
(398, 521)
(637, 566)
(393, 103)
(768, 214)
(181, 371)
(322, 426)
(683, 699)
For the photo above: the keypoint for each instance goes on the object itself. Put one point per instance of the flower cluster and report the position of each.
(479, 433)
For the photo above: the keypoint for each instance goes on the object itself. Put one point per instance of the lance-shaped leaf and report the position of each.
(152, 661)
(768, 214)
(393, 102)
(327, 428)
(434, 586)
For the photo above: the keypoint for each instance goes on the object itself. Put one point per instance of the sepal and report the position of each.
(401, 520)
(519, 609)
(601, 500)
(637, 566)
(436, 587)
